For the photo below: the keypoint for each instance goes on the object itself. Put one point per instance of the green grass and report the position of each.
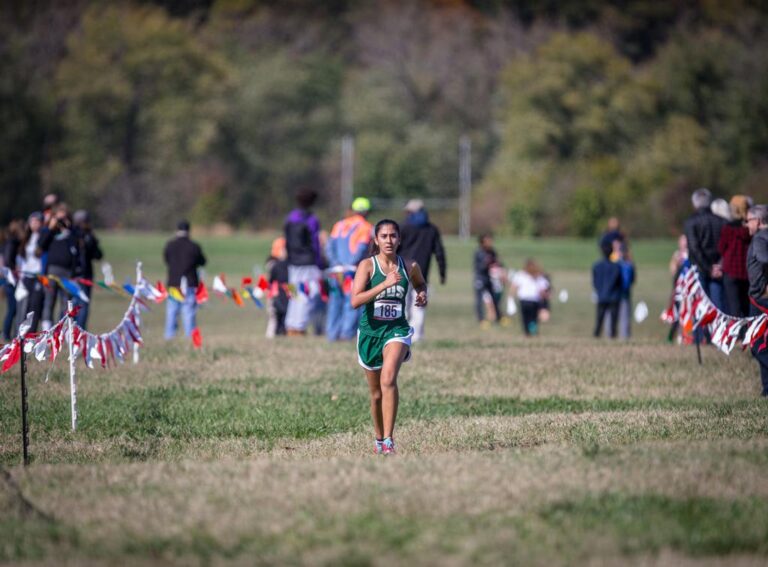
(560, 450)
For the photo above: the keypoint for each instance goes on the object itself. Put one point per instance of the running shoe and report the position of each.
(388, 446)
(379, 449)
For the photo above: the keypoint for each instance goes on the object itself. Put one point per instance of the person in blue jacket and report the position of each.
(607, 283)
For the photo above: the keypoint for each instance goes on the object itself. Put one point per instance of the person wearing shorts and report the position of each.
(384, 335)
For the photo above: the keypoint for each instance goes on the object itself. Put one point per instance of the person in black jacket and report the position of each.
(88, 246)
(183, 257)
(420, 239)
(62, 255)
(13, 237)
(702, 229)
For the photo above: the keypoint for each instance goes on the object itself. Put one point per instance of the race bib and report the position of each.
(384, 310)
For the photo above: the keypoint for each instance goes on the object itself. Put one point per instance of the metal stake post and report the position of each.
(347, 171)
(24, 405)
(72, 368)
(465, 186)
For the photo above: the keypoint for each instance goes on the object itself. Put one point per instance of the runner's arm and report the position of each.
(419, 284)
(361, 296)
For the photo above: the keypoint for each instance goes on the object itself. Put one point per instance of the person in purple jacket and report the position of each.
(305, 260)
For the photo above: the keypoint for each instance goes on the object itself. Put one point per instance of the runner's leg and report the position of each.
(374, 386)
(394, 354)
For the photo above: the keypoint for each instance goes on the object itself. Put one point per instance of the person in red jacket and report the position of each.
(733, 245)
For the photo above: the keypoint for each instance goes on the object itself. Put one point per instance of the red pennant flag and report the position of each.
(163, 292)
(347, 285)
(263, 284)
(110, 351)
(708, 318)
(201, 293)
(197, 338)
(101, 351)
(13, 357)
(246, 281)
(85, 282)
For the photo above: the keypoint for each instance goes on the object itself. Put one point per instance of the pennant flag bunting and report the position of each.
(692, 309)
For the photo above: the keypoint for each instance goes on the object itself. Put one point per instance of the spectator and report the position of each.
(545, 283)
(732, 246)
(302, 242)
(277, 268)
(50, 202)
(88, 246)
(702, 230)
(13, 238)
(318, 308)
(721, 209)
(346, 248)
(678, 264)
(528, 285)
(485, 260)
(420, 240)
(757, 268)
(624, 259)
(183, 257)
(59, 244)
(612, 233)
(29, 291)
(606, 281)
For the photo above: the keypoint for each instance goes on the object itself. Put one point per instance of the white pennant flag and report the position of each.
(641, 312)
(106, 269)
(41, 350)
(21, 292)
(93, 350)
(219, 285)
(26, 325)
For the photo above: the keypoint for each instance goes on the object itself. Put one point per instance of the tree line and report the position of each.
(143, 111)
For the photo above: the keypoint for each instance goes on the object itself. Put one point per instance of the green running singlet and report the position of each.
(383, 319)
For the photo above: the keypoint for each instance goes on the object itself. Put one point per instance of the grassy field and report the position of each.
(559, 450)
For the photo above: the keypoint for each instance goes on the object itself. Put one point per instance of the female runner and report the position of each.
(384, 336)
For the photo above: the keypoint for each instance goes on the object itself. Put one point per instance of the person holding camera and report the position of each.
(59, 244)
(89, 250)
